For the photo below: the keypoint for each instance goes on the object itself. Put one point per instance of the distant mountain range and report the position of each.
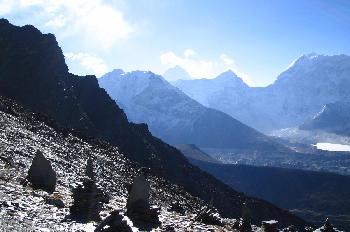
(176, 118)
(298, 94)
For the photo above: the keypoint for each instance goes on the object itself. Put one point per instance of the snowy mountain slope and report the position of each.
(297, 95)
(333, 118)
(175, 117)
(205, 91)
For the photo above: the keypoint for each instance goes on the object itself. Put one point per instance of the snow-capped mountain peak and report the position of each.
(176, 73)
(227, 74)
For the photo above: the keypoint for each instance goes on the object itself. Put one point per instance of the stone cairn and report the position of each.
(113, 223)
(244, 224)
(138, 205)
(41, 175)
(88, 198)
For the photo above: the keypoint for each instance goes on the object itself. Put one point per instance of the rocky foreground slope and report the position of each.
(22, 208)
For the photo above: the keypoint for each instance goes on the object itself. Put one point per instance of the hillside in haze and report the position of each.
(298, 94)
(311, 195)
(176, 118)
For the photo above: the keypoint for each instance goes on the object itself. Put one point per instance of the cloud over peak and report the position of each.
(90, 62)
(199, 67)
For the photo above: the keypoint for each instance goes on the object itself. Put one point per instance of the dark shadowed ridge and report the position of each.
(33, 73)
(314, 196)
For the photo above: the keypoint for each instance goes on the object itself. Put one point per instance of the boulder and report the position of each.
(41, 175)
(88, 200)
(113, 223)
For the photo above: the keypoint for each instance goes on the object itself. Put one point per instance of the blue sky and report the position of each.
(257, 39)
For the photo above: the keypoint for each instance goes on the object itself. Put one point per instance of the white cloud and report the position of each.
(189, 52)
(6, 6)
(199, 67)
(194, 66)
(90, 62)
(94, 22)
(231, 65)
(226, 59)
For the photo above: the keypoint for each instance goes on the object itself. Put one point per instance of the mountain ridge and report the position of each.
(298, 93)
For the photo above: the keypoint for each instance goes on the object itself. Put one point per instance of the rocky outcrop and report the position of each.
(40, 174)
